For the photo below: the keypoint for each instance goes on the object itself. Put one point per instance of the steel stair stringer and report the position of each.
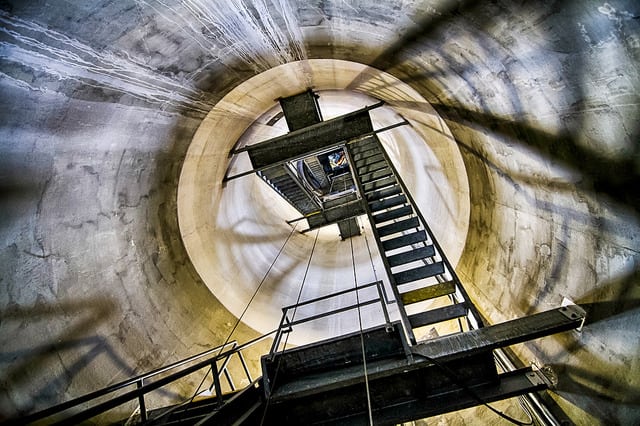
(416, 265)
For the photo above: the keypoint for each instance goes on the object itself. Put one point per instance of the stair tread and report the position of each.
(392, 214)
(387, 202)
(366, 153)
(274, 172)
(411, 256)
(369, 160)
(419, 273)
(428, 292)
(399, 226)
(379, 184)
(434, 316)
(373, 167)
(404, 240)
(364, 145)
(370, 177)
(285, 185)
(382, 193)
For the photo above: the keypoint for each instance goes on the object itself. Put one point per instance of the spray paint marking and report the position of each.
(65, 58)
(247, 30)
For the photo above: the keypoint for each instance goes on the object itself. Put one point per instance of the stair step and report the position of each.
(396, 227)
(419, 273)
(383, 193)
(293, 191)
(392, 214)
(385, 203)
(281, 181)
(369, 160)
(274, 172)
(411, 256)
(404, 240)
(285, 184)
(379, 184)
(437, 315)
(369, 152)
(370, 168)
(427, 293)
(364, 145)
(370, 177)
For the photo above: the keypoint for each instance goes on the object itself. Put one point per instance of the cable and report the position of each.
(286, 339)
(190, 400)
(364, 354)
(453, 376)
(366, 240)
(375, 274)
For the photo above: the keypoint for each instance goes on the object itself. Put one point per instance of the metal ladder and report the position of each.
(417, 268)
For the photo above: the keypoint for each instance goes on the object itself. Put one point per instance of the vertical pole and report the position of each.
(216, 381)
(143, 407)
(382, 304)
(244, 367)
(229, 380)
(278, 336)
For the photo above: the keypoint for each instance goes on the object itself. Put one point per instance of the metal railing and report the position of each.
(217, 359)
(286, 324)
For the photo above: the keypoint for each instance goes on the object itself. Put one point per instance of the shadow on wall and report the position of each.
(74, 349)
(592, 376)
(427, 27)
(613, 178)
(238, 238)
(614, 298)
(604, 378)
(600, 379)
(605, 176)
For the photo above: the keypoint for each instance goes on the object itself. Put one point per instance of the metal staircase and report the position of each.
(317, 170)
(283, 181)
(384, 373)
(417, 268)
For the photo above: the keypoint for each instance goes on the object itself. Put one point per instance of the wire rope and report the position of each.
(364, 355)
(456, 379)
(286, 339)
(242, 315)
(366, 240)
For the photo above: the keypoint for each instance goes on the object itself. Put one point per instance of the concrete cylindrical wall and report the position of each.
(102, 100)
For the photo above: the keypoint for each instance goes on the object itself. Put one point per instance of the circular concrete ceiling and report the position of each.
(236, 233)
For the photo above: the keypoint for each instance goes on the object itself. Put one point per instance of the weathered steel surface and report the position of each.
(334, 354)
(310, 139)
(301, 110)
(437, 315)
(429, 292)
(348, 228)
(503, 334)
(426, 271)
(444, 374)
(290, 189)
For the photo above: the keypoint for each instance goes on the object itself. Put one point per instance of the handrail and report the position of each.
(141, 389)
(332, 312)
(329, 296)
(285, 325)
(452, 271)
